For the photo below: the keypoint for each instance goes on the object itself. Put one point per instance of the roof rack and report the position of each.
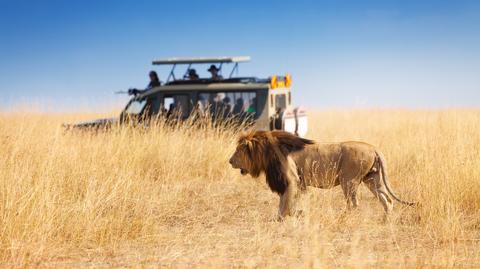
(201, 60)
(244, 80)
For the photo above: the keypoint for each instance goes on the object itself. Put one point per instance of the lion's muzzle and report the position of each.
(235, 165)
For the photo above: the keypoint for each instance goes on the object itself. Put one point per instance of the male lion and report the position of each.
(291, 163)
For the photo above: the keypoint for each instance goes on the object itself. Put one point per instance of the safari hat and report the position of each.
(212, 67)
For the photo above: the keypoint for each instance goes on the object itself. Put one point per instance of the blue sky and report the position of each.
(68, 55)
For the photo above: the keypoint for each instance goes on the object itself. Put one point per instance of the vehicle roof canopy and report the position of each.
(202, 60)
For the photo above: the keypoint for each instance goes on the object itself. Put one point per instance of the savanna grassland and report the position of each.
(167, 197)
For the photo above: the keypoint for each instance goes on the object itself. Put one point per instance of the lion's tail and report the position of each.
(383, 174)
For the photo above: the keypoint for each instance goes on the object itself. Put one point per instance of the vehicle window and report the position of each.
(136, 107)
(228, 103)
(280, 102)
(176, 104)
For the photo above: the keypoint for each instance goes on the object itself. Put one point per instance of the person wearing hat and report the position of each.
(192, 74)
(214, 71)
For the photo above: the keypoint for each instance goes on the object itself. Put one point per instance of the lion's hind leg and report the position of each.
(374, 184)
(350, 187)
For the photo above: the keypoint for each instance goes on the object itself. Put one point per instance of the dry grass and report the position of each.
(160, 198)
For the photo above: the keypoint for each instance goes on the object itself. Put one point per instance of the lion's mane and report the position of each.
(267, 152)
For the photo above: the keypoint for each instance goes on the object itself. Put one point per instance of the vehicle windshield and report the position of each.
(136, 107)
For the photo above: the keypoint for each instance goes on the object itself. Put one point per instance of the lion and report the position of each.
(291, 163)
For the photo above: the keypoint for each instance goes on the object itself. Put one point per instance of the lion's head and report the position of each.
(263, 151)
(245, 157)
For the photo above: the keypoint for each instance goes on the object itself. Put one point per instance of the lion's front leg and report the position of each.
(288, 198)
(282, 213)
(287, 203)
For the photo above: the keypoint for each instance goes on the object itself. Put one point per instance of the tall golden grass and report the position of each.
(164, 197)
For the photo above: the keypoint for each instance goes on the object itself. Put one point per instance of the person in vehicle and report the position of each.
(154, 82)
(171, 110)
(238, 107)
(200, 106)
(277, 122)
(251, 107)
(192, 74)
(214, 71)
(226, 107)
(216, 109)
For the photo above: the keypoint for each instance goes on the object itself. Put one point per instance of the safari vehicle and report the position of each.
(266, 102)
